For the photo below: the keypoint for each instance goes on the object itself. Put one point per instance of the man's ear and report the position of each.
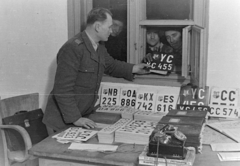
(97, 26)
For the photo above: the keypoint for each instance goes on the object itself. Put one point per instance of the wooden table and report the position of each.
(52, 153)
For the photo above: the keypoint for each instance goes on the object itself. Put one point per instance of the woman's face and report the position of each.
(152, 38)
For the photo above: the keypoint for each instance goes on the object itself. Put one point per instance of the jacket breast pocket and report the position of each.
(86, 77)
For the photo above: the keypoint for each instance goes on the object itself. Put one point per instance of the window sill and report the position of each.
(152, 79)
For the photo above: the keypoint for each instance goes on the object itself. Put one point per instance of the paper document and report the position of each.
(225, 125)
(230, 147)
(229, 128)
(75, 134)
(229, 156)
(233, 133)
(93, 147)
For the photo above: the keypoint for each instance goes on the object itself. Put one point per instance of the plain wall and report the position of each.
(31, 33)
(224, 39)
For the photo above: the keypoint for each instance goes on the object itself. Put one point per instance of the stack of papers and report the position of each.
(226, 147)
(106, 135)
(228, 151)
(230, 156)
(135, 132)
(129, 112)
(93, 147)
(111, 109)
(229, 128)
(75, 134)
(148, 116)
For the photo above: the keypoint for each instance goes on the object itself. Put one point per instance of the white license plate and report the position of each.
(224, 111)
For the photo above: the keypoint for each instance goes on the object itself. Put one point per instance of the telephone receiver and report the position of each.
(167, 133)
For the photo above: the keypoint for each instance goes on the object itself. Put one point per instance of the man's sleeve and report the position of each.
(118, 68)
(66, 74)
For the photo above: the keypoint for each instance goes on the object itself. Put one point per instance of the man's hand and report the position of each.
(85, 122)
(148, 58)
(140, 68)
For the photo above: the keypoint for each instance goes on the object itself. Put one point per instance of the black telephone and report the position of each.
(167, 142)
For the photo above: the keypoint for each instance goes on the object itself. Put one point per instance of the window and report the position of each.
(169, 9)
(117, 41)
(191, 16)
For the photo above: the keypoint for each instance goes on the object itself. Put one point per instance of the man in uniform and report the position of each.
(81, 63)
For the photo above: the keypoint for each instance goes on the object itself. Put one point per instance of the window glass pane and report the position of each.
(117, 41)
(169, 9)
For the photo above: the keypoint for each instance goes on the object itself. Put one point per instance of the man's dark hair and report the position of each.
(178, 29)
(97, 14)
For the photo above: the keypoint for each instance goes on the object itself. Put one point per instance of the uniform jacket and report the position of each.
(79, 73)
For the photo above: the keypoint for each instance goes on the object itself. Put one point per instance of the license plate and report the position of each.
(110, 96)
(145, 100)
(224, 111)
(162, 61)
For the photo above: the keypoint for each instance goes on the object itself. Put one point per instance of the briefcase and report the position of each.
(32, 122)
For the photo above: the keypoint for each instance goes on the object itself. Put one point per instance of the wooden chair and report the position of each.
(8, 107)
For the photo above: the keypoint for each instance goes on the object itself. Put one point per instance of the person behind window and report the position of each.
(81, 63)
(174, 39)
(117, 41)
(154, 44)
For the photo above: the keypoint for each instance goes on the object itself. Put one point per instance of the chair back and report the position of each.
(3, 154)
(9, 107)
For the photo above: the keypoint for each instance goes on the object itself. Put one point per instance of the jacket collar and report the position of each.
(89, 46)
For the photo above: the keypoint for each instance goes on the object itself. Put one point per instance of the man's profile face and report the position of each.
(174, 38)
(117, 27)
(105, 28)
(152, 38)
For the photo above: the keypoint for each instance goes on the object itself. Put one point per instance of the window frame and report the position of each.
(137, 40)
(136, 27)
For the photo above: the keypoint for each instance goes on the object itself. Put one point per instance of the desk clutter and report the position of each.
(187, 120)
(135, 132)
(190, 123)
(107, 134)
(138, 129)
(227, 151)
(168, 121)
(75, 134)
(148, 160)
(131, 113)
